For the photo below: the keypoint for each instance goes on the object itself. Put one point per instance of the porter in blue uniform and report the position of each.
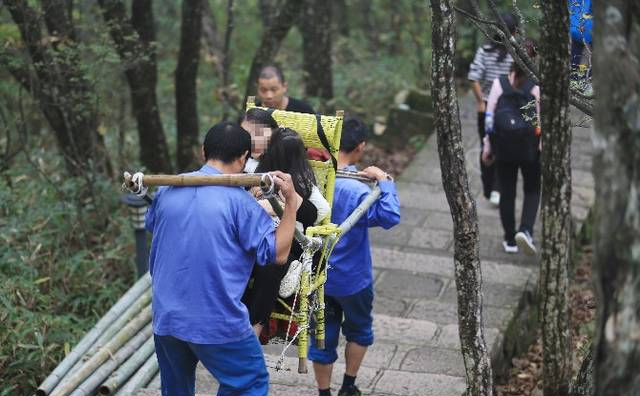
(349, 286)
(206, 240)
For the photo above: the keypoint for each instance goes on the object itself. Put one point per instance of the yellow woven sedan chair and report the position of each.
(310, 295)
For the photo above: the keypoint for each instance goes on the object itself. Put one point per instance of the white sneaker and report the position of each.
(525, 242)
(291, 280)
(509, 248)
(494, 198)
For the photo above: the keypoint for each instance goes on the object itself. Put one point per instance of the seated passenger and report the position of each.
(286, 152)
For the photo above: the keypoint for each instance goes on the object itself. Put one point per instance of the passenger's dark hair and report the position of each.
(226, 141)
(496, 45)
(260, 116)
(354, 132)
(270, 71)
(286, 153)
(521, 76)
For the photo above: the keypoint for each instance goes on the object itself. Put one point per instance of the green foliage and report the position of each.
(67, 250)
(67, 258)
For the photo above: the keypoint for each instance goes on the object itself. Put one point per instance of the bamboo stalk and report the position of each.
(88, 387)
(134, 309)
(233, 179)
(143, 377)
(103, 354)
(358, 212)
(87, 341)
(344, 174)
(122, 374)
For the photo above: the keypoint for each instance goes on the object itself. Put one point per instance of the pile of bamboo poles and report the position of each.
(116, 357)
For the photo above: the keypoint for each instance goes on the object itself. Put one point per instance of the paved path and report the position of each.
(417, 349)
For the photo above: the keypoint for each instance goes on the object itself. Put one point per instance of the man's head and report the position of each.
(272, 87)
(354, 138)
(229, 144)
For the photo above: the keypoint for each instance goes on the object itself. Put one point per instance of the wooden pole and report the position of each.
(340, 173)
(234, 179)
(358, 212)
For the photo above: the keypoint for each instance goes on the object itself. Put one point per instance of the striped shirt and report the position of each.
(485, 68)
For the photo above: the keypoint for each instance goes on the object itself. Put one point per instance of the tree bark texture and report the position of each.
(135, 43)
(463, 208)
(226, 61)
(281, 22)
(187, 152)
(583, 384)
(211, 38)
(616, 169)
(556, 198)
(58, 83)
(315, 26)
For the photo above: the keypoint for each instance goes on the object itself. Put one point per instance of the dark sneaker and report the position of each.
(525, 242)
(350, 391)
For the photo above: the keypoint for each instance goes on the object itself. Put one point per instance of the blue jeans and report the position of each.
(357, 325)
(238, 366)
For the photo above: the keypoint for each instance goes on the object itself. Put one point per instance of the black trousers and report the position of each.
(261, 298)
(508, 177)
(487, 173)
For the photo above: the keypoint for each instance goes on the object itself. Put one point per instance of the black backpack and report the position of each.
(514, 136)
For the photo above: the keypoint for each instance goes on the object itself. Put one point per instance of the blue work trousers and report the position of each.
(238, 366)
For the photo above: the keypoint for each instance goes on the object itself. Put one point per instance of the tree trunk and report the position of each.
(397, 23)
(187, 152)
(583, 385)
(341, 17)
(271, 40)
(226, 62)
(556, 198)
(315, 26)
(210, 36)
(60, 86)
(269, 10)
(463, 208)
(616, 169)
(135, 43)
(369, 24)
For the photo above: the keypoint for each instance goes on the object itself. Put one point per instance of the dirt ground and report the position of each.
(525, 375)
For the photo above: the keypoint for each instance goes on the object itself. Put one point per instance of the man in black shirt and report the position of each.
(272, 92)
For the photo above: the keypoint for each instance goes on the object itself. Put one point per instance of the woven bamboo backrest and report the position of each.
(306, 126)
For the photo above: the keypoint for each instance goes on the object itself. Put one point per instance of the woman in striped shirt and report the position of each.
(490, 62)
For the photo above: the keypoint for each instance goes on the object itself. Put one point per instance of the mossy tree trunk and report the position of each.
(135, 43)
(187, 152)
(58, 82)
(315, 25)
(463, 208)
(280, 22)
(616, 169)
(556, 198)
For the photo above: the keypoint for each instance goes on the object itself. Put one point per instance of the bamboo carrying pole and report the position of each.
(344, 174)
(122, 374)
(87, 341)
(233, 179)
(358, 212)
(89, 386)
(103, 354)
(143, 377)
